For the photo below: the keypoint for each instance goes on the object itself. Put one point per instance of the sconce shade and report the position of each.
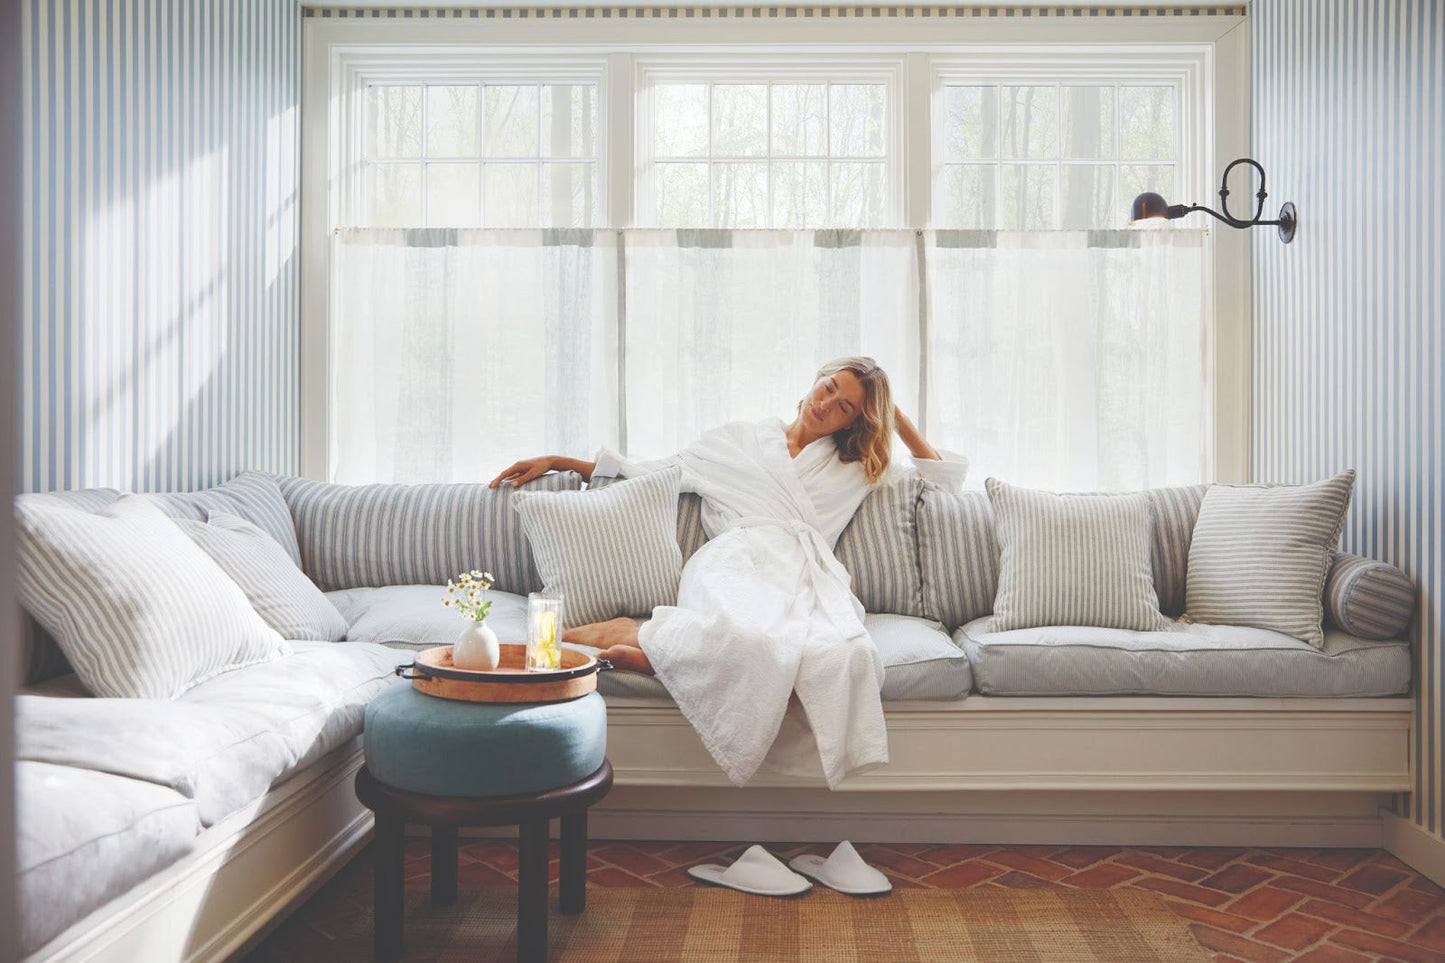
(1146, 206)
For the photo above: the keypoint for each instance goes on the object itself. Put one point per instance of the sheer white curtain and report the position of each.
(726, 325)
(1069, 360)
(1062, 360)
(455, 352)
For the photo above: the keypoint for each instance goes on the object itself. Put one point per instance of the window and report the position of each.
(729, 221)
(1042, 156)
(731, 147)
(467, 155)
(470, 141)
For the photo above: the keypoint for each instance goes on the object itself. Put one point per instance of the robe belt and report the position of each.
(820, 557)
(818, 551)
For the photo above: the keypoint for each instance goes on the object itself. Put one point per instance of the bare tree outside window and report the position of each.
(769, 155)
(1052, 156)
(480, 155)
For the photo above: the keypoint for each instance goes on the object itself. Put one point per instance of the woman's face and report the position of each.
(833, 403)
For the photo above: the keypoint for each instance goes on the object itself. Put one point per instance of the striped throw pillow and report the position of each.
(1368, 599)
(1073, 560)
(879, 548)
(608, 552)
(1260, 555)
(690, 533)
(361, 536)
(40, 657)
(1175, 510)
(957, 555)
(285, 598)
(252, 495)
(138, 609)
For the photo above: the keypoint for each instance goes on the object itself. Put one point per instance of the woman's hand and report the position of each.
(918, 446)
(519, 473)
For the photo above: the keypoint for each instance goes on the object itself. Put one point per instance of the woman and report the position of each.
(765, 652)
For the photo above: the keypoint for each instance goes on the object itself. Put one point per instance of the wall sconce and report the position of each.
(1151, 205)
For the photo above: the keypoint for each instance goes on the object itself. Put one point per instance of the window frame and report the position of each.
(1219, 43)
(1187, 69)
(798, 67)
(360, 68)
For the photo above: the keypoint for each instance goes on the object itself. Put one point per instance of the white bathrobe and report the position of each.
(764, 609)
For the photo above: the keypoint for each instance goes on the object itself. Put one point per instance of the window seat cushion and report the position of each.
(85, 837)
(1191, 659)
(223, 743)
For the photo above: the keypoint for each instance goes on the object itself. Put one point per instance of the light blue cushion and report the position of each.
(443, 747)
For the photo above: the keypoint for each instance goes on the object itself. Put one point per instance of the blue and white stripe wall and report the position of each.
(1349, 320)
(159, 342)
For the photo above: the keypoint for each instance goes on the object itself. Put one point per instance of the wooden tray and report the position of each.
(434, 673)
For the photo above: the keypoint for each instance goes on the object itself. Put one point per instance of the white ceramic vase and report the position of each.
(477, 648)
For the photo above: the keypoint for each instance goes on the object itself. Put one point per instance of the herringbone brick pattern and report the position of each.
(1253, 905)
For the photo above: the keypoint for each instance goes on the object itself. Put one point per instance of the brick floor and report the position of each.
(1309, 905)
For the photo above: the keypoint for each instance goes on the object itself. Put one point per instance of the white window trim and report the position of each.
(619, 43)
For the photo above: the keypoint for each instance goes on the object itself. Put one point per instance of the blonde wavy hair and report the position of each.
(870, 438)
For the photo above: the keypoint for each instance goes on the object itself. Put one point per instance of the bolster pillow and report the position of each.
(1368, 599)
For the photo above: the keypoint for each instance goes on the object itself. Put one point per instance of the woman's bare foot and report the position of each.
(627, 657)
(617, 638)
(602, 635)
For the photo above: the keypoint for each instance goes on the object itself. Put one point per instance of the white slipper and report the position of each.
(844, 871)
(756, 871)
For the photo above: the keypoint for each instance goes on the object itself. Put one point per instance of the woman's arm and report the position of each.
(519, 473)
(918, 446)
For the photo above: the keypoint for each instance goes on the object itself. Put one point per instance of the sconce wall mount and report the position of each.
(1151, 205)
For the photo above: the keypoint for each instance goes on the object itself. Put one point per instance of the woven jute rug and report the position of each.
(715, 925)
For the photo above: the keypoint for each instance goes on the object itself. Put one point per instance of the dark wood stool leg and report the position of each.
(443, 865)
(532, 893)
(388, 908)
(573, 881)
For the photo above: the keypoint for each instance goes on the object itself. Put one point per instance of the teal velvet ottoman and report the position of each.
(449, 764)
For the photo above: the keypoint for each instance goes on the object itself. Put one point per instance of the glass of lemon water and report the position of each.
(544, 631)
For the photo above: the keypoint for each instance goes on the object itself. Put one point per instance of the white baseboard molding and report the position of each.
(996, 829)
(245, 873)
(1032, 818)
(1185, 825)
(1411, 844)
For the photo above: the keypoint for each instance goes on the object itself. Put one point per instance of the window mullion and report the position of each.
(617, 151)
(915, 123)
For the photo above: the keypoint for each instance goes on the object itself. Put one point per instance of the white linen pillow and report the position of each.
(280, 592)
(1260, 555)
(610, 551)
(1073, 560)
(138, 609)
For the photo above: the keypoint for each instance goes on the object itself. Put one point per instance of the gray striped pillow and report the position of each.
(1175, 510)
(252, 495)
(609, 552)
(957, 555)
(359, 536)
(279, 592)
(1368, 599)
(1073, 560)
(1260, 555)
(879, 548)
(138, 609)
(690, 533)
(40, 655)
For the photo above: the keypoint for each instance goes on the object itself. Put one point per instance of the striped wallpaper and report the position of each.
(159, 335)
(1349, 351)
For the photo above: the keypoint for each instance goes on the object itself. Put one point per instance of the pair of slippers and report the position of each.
(759, 871)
